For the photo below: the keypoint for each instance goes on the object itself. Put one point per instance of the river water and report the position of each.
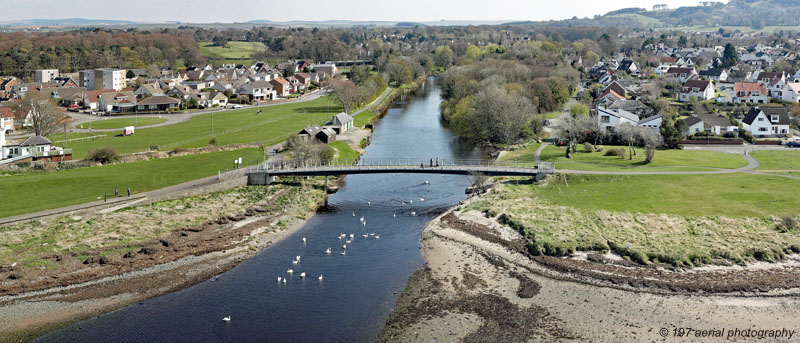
(358, 290)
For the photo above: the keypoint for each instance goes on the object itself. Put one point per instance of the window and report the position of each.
(760, 119)
(774, 119)
(605, 119)
(762, 129)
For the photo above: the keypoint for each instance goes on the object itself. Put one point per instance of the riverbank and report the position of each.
(481, 284)
(76, 267)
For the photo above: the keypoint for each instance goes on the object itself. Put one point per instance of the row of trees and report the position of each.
(356, 92)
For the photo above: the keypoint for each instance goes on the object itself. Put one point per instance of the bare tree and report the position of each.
(641, 136)
(44, 114)
(346, 93)
(575, 129)
(479, 180)
(309, 151)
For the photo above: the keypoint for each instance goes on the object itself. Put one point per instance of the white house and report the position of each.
(681, 74)
(652, 122)
(30, 146)
(609, 119)
(791, 92)
(699, 89)
(767, 122)
(707, 122)
(714, 74)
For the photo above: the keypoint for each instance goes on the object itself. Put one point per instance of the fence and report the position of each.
(79, 139)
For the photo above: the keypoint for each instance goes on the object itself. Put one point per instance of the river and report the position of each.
(358, 290)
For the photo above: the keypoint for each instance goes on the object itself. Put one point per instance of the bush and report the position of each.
(212, 141)
(650, 152)
(788, 223)
(588, 147)
(616, 152)
(747, 136)
(103, 155)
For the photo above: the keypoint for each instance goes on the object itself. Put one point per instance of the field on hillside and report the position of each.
(234, 52)
(273, 125)
(38, 191)
(121, 122)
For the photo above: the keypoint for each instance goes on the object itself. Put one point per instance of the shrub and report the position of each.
(212, 141)
(788, 223)
(616, 152)
(650, 152)
(103, 155)
(588, 147)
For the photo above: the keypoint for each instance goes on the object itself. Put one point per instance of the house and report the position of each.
(5, 85)
(633, 106)
(791, 92)
(609, 119)
(681, 74)
(767, 122)
(210, 99)
(751, 92)
(711, 123)
(180, 92)
(258, 90)
(698, 89)
(91, 99)
(765, 77)
(157, 103)
(117, 102)
(30, 146)
(340, 123)
(652, 122)
(775, 88)
(65, 81)
(71, 97)
(714, 74)
(147, 90)
(44, 75)
(6, 119)
(628, 66)
(281, 86)
(328, 69)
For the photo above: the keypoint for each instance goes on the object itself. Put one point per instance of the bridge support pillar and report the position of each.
(326, 183)
(260, 179)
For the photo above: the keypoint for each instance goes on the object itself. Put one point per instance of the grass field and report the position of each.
(344, 151)
(777, 160)
(681, 219)
(273, 125)
(522, 154)
(45, 190)
(234, 50)
(666, 160)
(363, 118)
(122, 122)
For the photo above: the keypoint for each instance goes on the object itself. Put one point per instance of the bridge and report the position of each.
(265, 173)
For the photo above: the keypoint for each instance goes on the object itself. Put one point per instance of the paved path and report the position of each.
(174, 118)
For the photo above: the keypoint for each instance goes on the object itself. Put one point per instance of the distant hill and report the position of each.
(67, 22)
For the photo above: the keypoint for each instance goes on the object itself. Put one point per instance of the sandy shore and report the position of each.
(478, 285)
(36, 301)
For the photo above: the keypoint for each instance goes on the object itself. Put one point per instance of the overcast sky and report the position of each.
(202, 11)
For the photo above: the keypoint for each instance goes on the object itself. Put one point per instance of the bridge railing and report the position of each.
(346, 164)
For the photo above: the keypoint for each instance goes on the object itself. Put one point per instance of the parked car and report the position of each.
(793, 144)
(237, 106)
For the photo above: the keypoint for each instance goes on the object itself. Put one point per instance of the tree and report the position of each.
(578, 110)
(575, 130)
(590, 58)
(44, 115)
(220, 41)
(346, 93)
(473, 52)
(671, 132)
(682, 41)
(307, 151)
(398, 72)
(443, 57)
(729, 56)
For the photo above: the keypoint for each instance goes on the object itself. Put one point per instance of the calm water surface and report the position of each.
(358, 290)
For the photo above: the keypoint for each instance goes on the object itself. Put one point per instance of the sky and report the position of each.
(208, 11)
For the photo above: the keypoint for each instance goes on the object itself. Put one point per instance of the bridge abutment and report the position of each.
(259, 179)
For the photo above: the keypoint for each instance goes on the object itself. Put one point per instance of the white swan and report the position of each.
(303, 275)
(364, 223)
(365, 235)
(279, 279)
(414, 213)
(320, 277)
(427, 182)
(344, 246)
(304, 239)
(348, 241)
(289, 271)
(343, 252)
(354, 213)
(352, 234)
(369, 203)
(295, 262)
(328, 251)
(377, 236)
(411, 201)
(297, 258)
(284, 280)
(421, 199)
(226, 319)
(394, 215)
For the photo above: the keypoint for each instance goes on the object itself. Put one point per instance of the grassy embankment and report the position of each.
(664, 160)
(25, 242)
(344, 151)
(36, 191)
(677, 219)
(273, 125)
(120, 123)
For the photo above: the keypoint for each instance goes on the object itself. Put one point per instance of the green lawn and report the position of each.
(523, 154)
(664, 160)
(363, 118)
(681, 219)
(777, 160)
(344, 151)
(121, 122)
(38, 191)
(234, 50)
(273, 125)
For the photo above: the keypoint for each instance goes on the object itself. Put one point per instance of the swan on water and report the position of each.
(289, 271)
(297, 258)
(328, 251)
(303, 275)
(377, 236)
(226, 319)
(344, 246)
(343, 252)
(414, 213)
(365, 235)
(364, 223)
(427, 182)
(369, 203)
(304, 239)
(279, 279)
(284, 280)
(348, 241)
(320, 277)
(362, 218)
(394, 215)
(295, 262)
(372, 234)
(411, 201)
(421, 199)
(354, 213)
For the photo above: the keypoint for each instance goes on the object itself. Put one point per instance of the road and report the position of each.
(175, 118)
